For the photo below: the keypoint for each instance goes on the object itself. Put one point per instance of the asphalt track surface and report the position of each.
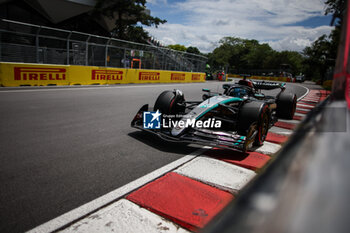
(63, 147)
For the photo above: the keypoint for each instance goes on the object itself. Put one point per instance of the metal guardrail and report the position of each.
(28, 43)
(270, 203)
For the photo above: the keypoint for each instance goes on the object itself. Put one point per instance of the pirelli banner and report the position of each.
(23, 74)
(158, 76)
(283, 79)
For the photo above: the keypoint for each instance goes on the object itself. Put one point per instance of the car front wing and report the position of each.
(206, 137)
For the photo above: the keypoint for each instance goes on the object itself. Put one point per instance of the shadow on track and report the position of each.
(162, 145)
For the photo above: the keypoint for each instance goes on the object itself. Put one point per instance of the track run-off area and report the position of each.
(67, 152)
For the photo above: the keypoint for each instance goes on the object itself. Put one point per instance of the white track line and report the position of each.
(307, 92)
(310, 101)
(299, 114)
(75, 88)
(304, 105)
(303, 109)
(268, 148)
(279, 130)
(124, 216)
(290, 121)
(112, 196)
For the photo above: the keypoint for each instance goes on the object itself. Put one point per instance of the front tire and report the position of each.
(263, 126)
(170, 102)
(254, 116)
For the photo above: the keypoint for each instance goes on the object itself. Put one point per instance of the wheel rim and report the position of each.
(250, 135)
(264, 127)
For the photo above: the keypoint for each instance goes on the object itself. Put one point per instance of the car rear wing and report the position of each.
(262, 85)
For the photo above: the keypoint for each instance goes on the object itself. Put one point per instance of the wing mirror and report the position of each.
(205, 97)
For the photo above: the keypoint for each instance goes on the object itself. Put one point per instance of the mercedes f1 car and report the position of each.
(237, 119)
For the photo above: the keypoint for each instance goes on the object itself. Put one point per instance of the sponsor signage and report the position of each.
(35, 73)
(177, 76)
(149, 76)
(106, 75)
(196, 77)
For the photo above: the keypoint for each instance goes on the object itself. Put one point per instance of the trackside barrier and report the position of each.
(24, 74)
(270, 78)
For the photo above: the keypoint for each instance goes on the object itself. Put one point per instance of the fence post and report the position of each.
(37, 44)
(70, 34)
(106, 53)
(0, 45)
(124, 59)
(177, 62)
(87, 51)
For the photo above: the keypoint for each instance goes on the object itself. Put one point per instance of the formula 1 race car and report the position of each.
(237, 119)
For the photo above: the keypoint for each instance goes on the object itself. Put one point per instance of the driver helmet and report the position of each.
(246, 82)
(238, 92)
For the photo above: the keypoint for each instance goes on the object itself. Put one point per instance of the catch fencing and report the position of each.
(28, 43)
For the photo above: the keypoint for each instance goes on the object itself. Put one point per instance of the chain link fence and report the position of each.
(28, 43)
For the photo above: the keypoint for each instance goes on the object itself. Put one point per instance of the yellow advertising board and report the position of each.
(90, 75)
(20, 74)
(23, 74)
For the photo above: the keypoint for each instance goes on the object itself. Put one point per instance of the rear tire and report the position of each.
(286, 105)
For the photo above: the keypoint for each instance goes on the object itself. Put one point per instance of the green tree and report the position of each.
(128, 15)
(242, 55)
(228, 54)
(177, 47)
(319, 58)
(322, 53)
(336, 8)
(192, 49)
(257, 53)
